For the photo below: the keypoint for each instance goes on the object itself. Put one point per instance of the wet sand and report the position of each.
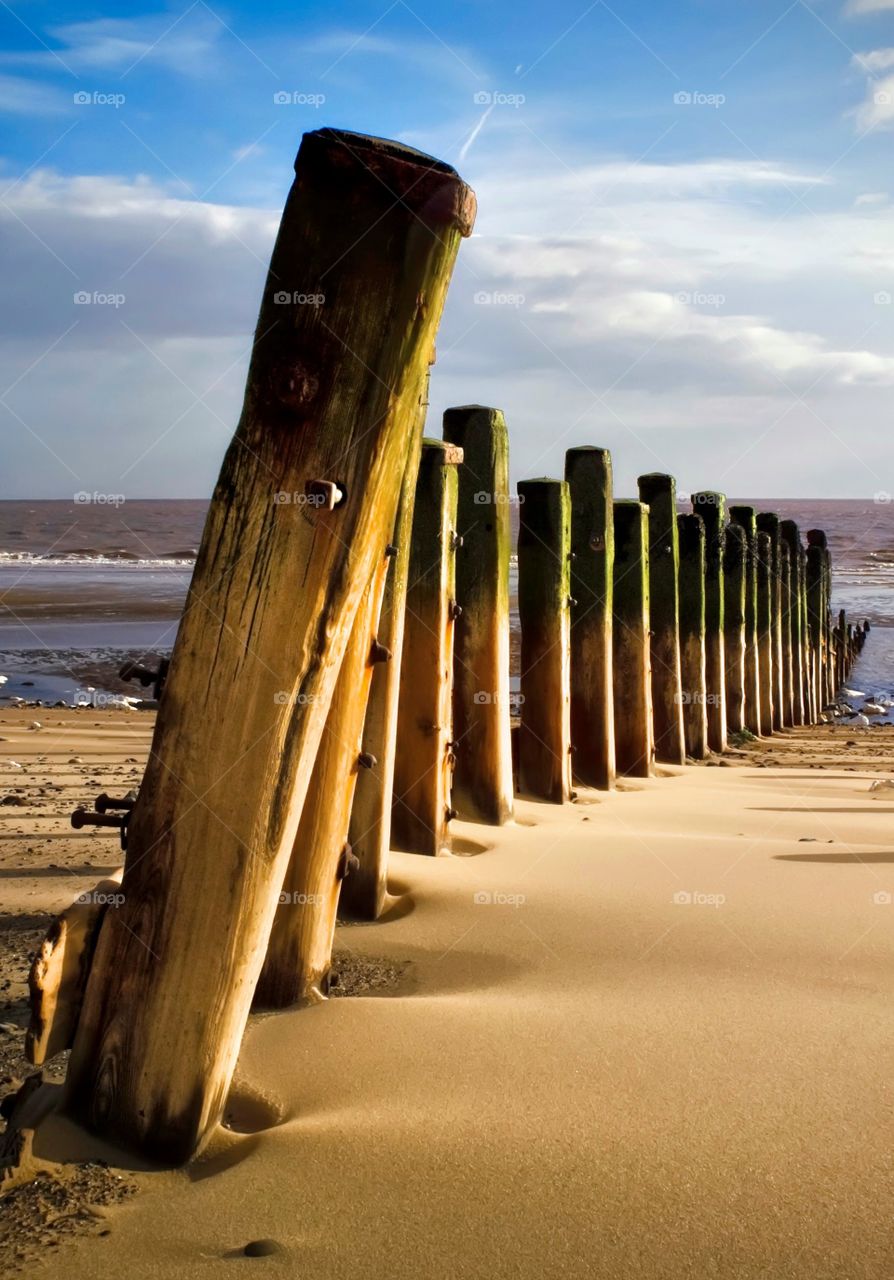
(647, 1034)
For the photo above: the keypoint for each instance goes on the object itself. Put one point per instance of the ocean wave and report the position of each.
(88, 558)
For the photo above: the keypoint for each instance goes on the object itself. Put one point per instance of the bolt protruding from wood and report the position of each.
(450, 814)
(145, 675)
(456, 541)
(572, 601)
(347, 862)
(366, 760)
(103, 803)
(324, 493)
(379, 652)
(455, 610)
(391, 550)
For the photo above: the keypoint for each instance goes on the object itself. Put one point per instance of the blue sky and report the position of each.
(685, 231)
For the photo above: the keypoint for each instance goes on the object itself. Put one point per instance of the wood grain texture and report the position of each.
(423, 759)
(746, 519)
(691, 529)
(735, 560)
(588, 472)
(332, 395)
(482, 779)
(659, 493)
(711, 507)
(634, 742)
(544, 609)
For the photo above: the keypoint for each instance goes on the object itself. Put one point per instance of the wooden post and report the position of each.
(815, 600)
(659, 493)
(364, 892)
(810, 714)
(299, 950)
(588, 472)
(735, 559)
(482, 779)
(330, 410)
(841, 650)
(768, 522)
(632, 677)
(817, 538)
(692, 634)
(423, 763)
(712, 509)
(792, 539)
(785, 631)
(544, 610)
(745, 517)
(764, 556)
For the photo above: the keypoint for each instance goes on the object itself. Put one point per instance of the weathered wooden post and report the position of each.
(659, 493)
(588, 472)
(482, 779)
(712, 509)
(735, 559)
(745, 517)
(544, 610)
(768, 522)
(365, 891)
(827, 625)
(299, 949)
(792, 539)
(764, 557)
(810, 705)
(632, 678)
(330, 409)
(817, 538)
(815, 601)
(421, 809)
(692, 635)
(785, 631)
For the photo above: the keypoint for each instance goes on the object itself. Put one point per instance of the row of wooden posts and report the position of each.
(340, 682)
(646, 634)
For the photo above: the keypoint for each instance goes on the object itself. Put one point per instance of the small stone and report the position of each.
(12, 800)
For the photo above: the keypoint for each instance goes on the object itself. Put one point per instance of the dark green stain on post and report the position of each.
(631, 675)
(659, 493)
(745, 518)
(691, 530)
(735, 560)
(792, 539)
(544, 609)
(712, 509)
(482, 777)
(765, 587)
(768, 522)
(588, 472)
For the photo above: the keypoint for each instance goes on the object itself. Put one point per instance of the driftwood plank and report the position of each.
(331, 406)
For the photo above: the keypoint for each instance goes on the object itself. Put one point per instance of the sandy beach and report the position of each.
(643, 1034)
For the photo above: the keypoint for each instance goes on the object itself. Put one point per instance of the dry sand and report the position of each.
(575, 1071)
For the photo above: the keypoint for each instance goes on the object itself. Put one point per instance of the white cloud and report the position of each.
(869, 6)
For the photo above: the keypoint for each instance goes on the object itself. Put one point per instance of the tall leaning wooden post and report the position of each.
(735, 559)
(659, 493)
(482, 778)
(785, 626)
(330, 411)
(745, 518)
(692, 635)
(632, 677)
(712, 509)
(299, 949)
(589, 475)
(544, 604)
(768, 522)
(365, 891)
(815, 602)
(792, 538)
(421, 810)
(764, 607)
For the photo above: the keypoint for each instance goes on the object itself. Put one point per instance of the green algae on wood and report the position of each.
(482, 779)
(764, 607)
(544, 609)
(768, 522)
(746, 519)
(694, 697)
(631, 674)
(588, 471)
(712, 509)
(658, 493)
(735, 561)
